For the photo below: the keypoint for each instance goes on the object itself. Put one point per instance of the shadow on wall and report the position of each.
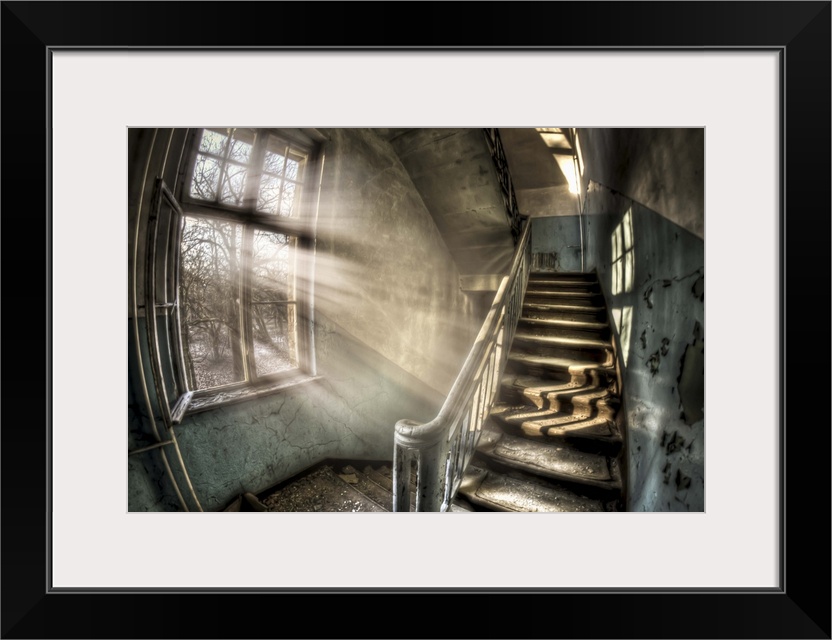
(652, 272)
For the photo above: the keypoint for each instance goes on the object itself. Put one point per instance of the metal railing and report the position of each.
(443, 447)
(498, 156)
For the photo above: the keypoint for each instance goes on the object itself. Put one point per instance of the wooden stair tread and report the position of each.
(322, 490)
(563, 364)
(552, 460)
(555, 306)
(503, 493)
(566, 275)
(562, 282)
(555, 340)
(561, 426)
(553, 292)
(378, 494)
(535, 387)
(565, 324)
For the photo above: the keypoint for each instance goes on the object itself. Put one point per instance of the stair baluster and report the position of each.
(442, 448)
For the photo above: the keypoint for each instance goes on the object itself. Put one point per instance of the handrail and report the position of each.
(443, 447)
(498, 156)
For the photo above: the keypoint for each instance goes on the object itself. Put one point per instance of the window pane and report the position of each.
(213, 142)
(209, 295)
(292, 170)
(273, 312)
(240, 151)
(206, 178)
(288, 199)
(273, 162)
(269, 193)
(273, 266)
(233, 185)
(275, 343)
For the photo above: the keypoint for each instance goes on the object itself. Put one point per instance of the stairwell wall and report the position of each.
(556, 243)
(652, 274)
(643, 206)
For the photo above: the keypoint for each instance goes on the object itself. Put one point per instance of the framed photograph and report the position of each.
(245, 95)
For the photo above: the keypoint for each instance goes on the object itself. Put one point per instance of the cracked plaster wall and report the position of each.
(652, 273)
(392, 330)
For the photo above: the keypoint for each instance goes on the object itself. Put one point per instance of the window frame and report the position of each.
(299, 226)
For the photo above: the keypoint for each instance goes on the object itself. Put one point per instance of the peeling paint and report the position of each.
(675, 443)
(653, 363)
(682, 481)
(692, 379)
(698, 288)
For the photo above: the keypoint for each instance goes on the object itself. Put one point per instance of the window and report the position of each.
(244, 312)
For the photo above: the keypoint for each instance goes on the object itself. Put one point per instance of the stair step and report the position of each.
(374, 491)
(563, 275)
(552, 460)
(593, 302)
(582, 423)
(562, 352)
(562, 282)
(554, 326)
(321, 490)
(500, 492)
(562, 306)
(557, 323)
(555, 340)
(557, 311)
(383, 477)
(545, 393)
(535, 389)
(567, 365)
(534, 291)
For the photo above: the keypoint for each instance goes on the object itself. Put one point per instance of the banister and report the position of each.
(500, 162)
(440, 448)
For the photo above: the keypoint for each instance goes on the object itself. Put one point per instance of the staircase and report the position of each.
(551, 444)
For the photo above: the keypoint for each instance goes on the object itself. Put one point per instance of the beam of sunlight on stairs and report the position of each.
(551, 443)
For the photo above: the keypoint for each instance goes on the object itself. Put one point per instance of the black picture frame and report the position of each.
(800, 608)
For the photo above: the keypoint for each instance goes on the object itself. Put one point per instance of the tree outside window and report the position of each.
(240, 302)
